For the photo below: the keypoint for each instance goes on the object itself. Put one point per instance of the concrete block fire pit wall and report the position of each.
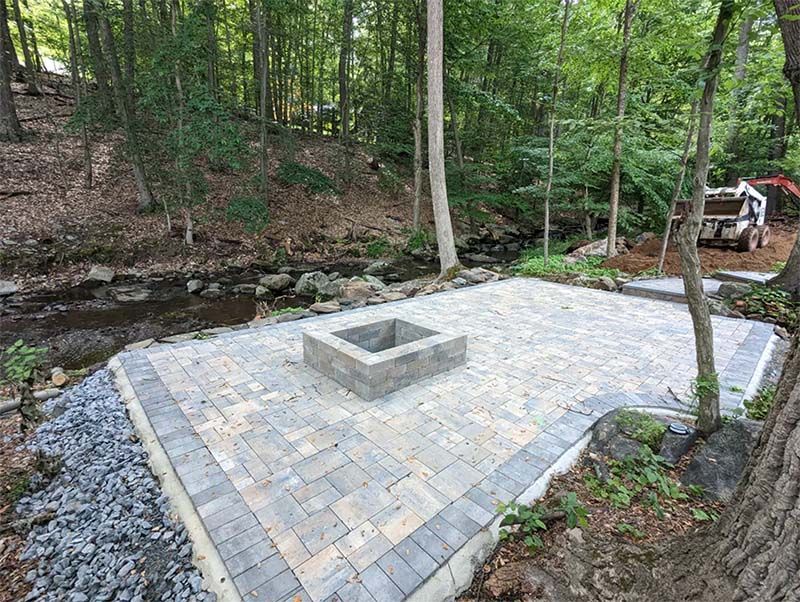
(377, 358)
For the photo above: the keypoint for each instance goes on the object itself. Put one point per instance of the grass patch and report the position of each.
(313, 179)
(532, 264)
(285, 310)
(380, 247)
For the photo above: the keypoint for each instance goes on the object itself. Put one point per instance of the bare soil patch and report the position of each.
(645, 256)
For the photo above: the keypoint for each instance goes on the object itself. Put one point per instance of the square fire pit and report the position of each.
(380, 357)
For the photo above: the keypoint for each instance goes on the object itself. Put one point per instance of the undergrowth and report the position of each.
(640, 480)
(774, 303)
(532, 264)
(758, 408)
(313, 179)
(642, 428)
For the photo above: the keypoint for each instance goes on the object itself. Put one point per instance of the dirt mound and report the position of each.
(645, 256)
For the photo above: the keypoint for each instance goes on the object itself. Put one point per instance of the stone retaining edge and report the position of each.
(205, 555)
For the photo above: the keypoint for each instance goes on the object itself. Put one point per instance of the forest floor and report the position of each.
(54, 226)
(17, 465)
(514, 573)
(645, 256)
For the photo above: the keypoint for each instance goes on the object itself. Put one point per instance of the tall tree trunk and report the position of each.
(16, 68)
(125, 113)
(344, 83)
(30, 67)
(344, 80)
(622, 101)
(129, 45)
(707, 382)
(552, 137)
(760, 530)
(419, 110)
(441, 210)
(777, 152)
(789, 278)
(739, 74)
(10, 129)
(98, 61)
(74, 53)
(676, 191)
(263, 161)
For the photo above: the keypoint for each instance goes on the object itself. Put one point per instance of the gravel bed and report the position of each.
(111, 537)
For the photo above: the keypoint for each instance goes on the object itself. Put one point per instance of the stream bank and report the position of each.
(85, 325)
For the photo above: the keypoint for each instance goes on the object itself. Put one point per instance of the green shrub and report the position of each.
(531, 518)
(251, 211)
(285, 310)
(533, 265)
(758, 408)
(419, 239)
(380, 247)
(21, 363)
(774, 303)
(642, 427)
(313, 179)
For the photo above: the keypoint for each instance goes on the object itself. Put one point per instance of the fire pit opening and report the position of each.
(377, 358)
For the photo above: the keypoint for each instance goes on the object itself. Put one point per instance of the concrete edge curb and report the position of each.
(760, 370)
(205, 555)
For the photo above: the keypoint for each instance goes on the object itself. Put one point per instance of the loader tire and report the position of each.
(748, 240)
(764, 236)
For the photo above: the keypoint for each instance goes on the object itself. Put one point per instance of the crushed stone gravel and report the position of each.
(111, 536)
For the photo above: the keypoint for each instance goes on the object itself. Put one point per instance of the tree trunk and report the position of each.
(707, 383)
(789, 278)
(418, 113)
(344, 80)
(676, 192)
(128, 45)
(760, 530)
(263, 95)
(124, 111)
(777, 152)
(30, 67)
(10, 129)
(75, 74)
(738, 98)
(552, 137)
(622, 101)
(99, 65)
(441, 210)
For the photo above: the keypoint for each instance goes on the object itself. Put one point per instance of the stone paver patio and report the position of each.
(309, 492)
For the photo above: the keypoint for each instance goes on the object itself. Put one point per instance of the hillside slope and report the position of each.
(53, 224)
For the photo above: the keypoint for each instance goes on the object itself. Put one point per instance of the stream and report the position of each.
(84, 326)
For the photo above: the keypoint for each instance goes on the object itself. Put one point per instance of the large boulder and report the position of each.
(356, 289)
(333, 288)
(478, 275)
(195, 286)
(7, 288)
(376, 268)
(733, 290)
(326, 307)
(309, 284)
(598, 248)
(719, 464)
(276, 282)
(609, 439)
(677, 442)
(99, 275)
(377, 282)
(479, 258)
